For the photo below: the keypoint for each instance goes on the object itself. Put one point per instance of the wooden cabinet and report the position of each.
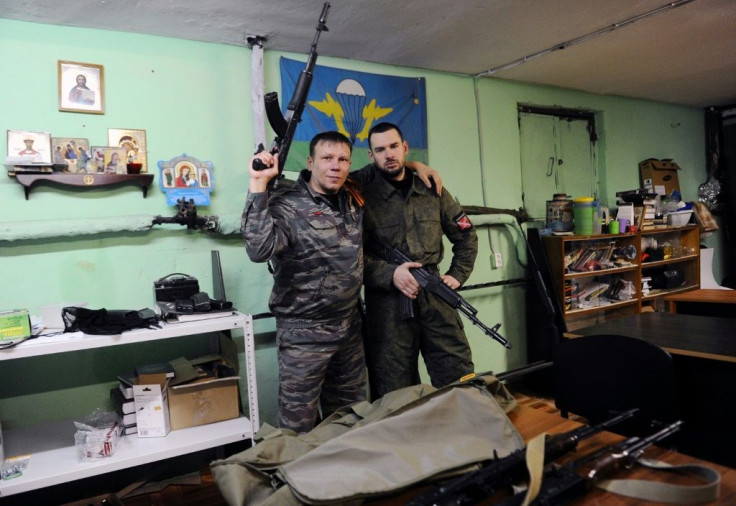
(600, 277)
(678, 252)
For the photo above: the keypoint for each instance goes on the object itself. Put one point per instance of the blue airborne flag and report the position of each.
(352, 102)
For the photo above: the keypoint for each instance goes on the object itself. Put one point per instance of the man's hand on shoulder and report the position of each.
(427, 174)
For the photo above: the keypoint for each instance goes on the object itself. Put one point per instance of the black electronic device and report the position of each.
(175, 286)
(668, 278)
(636, 197)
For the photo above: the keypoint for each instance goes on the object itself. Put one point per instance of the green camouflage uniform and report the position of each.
(416, 227)
(317, 258)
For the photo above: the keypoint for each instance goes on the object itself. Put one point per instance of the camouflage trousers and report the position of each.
(392, 345)
(321, 365)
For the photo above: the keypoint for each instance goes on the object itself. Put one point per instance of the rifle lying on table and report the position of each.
(285, 127)
(434, 284)
(562, 484)
(504, 472)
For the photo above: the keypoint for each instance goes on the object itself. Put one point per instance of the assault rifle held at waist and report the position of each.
(434, 284)
(499, 473)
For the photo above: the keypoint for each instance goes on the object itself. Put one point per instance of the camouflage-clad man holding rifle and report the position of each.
(311, 232)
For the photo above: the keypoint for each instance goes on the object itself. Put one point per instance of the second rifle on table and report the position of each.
(503, 472)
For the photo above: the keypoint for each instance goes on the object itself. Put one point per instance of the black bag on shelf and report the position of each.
(106, 322)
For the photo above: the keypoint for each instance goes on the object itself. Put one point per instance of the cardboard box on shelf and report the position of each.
(659, 176)
(203, 390)
(203, 401)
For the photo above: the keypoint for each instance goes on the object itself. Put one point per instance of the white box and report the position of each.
(679, 218)
(152, 409)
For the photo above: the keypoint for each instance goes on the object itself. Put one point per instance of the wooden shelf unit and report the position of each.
(597, 309)
(54, 458)
(686, 257)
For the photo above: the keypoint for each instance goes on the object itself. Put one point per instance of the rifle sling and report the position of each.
(639, 489)
(667, 492)
(535, 466)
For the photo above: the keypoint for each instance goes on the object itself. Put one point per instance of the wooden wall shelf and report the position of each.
(558, 247)
(84, 180)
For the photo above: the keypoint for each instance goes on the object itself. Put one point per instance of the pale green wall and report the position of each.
(194, 98)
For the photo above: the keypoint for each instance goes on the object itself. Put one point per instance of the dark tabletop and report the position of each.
(700, 336)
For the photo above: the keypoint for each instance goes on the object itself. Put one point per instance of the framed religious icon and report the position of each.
(134, 143)
(25, 147)
(72, 152)
(97, 160)
(114, 160)
(81, 87)
(186, 177)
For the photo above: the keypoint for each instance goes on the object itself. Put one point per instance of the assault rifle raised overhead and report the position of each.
(285, 126)
(503, 472)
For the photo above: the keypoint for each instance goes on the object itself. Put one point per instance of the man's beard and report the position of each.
(396, 170)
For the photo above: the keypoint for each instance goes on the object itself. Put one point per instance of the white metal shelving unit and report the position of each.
(54, 457)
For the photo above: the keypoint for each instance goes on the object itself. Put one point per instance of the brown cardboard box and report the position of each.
(203, 401)
(659, 174)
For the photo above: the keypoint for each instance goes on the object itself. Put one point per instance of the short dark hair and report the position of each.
(330, 137)
(383, 127)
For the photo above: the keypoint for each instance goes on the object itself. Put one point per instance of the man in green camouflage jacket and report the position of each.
(311, 231)
(402, 213)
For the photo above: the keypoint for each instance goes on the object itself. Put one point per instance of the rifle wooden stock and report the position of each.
(567, 482)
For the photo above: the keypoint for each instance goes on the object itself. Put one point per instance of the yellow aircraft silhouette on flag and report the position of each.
(332, 109)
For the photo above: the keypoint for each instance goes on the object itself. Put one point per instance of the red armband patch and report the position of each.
(463, 222)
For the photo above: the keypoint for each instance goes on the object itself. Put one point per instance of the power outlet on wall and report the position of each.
(497, 260)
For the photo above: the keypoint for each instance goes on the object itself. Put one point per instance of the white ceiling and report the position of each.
(684, 55)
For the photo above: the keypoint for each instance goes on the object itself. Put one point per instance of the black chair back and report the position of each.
(595, 376)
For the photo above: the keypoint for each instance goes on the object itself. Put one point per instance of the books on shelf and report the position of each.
(125, 384)
(647, 215)
(171, 315)
(130, 429)
(122, 405)
(596, 256)
(193, 317)
(30, 169)
(125, 408)
(129, 419)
